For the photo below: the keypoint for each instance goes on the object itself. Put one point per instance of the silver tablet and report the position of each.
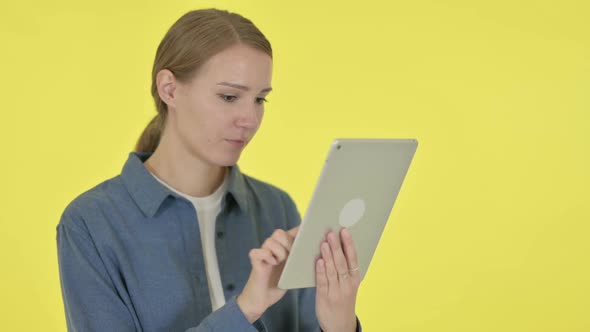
(357, 188)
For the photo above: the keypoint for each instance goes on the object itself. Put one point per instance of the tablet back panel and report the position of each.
(357, 188)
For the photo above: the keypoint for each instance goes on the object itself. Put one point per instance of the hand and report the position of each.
(261, 290)
(337, 280)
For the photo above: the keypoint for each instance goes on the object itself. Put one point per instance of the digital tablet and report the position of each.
(357, 188)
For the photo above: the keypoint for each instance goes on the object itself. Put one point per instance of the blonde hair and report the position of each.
(191, 41)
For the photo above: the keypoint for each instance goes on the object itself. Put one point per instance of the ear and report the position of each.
(166, 83)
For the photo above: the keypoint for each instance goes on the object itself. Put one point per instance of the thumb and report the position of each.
(293, 231)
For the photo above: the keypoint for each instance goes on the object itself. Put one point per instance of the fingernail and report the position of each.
(345, 232)
(331, 236)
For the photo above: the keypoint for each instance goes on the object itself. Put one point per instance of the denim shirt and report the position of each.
(130, 257)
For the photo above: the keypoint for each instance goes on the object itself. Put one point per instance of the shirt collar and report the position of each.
(149, 194)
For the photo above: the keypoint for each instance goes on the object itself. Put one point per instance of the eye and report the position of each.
(227, 98)
(261, 100)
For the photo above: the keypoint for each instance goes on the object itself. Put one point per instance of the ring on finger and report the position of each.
(354, 270)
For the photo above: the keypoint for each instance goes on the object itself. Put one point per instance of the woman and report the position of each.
(181, 240)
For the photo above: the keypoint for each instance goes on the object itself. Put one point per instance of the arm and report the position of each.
(92, 303)
(90, 299)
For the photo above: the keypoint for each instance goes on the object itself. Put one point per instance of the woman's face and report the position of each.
(218, 112)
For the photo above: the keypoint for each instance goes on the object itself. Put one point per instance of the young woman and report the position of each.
(181, 240)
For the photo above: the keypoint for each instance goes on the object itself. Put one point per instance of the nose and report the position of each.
(249, 117)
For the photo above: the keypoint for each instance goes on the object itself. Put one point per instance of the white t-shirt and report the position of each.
(207, 210)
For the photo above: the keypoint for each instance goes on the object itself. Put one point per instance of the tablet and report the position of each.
(357, 187)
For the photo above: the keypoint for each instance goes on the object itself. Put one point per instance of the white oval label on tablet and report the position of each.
(352, 212)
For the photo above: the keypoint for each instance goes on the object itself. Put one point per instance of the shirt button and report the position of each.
(220, 235)
(230, 287)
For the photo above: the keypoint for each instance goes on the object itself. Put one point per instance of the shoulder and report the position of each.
(266, 190)
(263, 188)
(268, 198)
(91, 204)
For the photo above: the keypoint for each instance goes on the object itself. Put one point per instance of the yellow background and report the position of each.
(491, 229)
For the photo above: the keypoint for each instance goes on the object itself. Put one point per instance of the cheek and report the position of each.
(193, 120)
(260, 117)
(210, 124)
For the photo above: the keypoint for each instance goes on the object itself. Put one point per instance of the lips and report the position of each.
(237, 142)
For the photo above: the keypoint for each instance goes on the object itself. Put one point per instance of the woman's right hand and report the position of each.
(261, 290)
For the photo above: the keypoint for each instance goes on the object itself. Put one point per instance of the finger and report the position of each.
(331, 273)
(276, 249)
(293, 232)
(321, 279)
(350, 251)
(258, 256)
(281, 236)
(338, 254)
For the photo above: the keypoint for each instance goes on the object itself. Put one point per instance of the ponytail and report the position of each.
(150, 137)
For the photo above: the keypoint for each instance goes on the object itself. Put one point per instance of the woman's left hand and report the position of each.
(337, 283)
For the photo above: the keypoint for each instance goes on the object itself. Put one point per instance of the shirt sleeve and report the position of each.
(91, 301)
(228, 318)
(90, 298)
(307, 318)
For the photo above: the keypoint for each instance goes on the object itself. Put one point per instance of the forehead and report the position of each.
(239, 64)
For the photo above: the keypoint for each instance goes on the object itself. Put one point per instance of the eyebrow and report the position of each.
(241, 87)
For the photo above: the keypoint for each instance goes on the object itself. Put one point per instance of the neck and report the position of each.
(185, 172)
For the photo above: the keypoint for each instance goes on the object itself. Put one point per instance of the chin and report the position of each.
(227, 160)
